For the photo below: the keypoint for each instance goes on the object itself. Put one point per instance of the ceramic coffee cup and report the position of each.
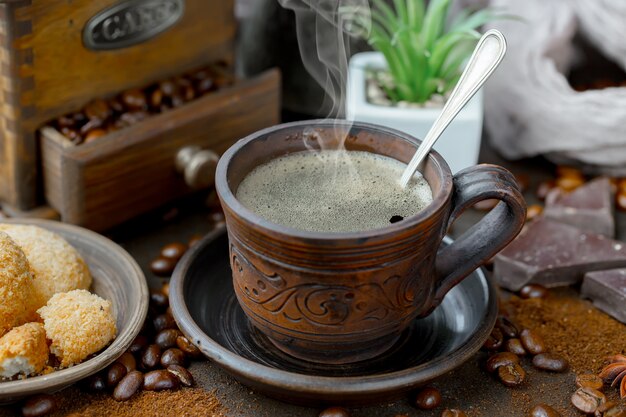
(346, 297)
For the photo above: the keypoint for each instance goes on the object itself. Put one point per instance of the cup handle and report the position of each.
(487, 237)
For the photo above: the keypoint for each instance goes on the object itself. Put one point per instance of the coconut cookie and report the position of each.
(16, 286)
(23, 351)
(78, 323)
(55, 265)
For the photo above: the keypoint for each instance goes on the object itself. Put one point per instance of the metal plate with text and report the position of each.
(131, 22)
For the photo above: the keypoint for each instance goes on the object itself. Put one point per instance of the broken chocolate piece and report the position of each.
(555, 254)
(607, 290)
(589, 207)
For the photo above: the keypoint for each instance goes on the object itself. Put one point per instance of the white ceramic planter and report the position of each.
(459, 144)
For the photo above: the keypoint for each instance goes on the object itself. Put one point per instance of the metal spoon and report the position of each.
(484, 60)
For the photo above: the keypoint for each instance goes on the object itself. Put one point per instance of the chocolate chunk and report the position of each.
(607, 290)
(554, 254)
(589, 207)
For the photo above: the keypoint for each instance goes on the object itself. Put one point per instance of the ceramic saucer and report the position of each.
(206, 309)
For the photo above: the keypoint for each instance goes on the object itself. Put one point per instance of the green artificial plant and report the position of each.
(425, 53)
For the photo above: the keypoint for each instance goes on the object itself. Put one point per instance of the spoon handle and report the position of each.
(484, 60)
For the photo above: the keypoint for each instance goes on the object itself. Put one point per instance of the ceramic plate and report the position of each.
(116, 277)
(206, 309)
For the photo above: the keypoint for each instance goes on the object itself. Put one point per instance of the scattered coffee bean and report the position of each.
(507, 327)
(164, 321)
(134, 99)
(151, 357)
(428, 398)
(167, 338)
(588, 400)
(162, 267)
(501, 359)
(511, 375)
(532, 342)
(128, 386)
(550, 362)
(533, 291)
(174, 251)
(569, 183)
(335, 412)
(159, 300)
(139, 344)
(611, 409)
(543, 410)
(495, 340)
(98, 109)
(160, 380)
(173, 356)
(183, 375)
(96, 383)
(115, 373)
(165, 289)
(39, 405)
(128, 360)
(515, 346)
(189, 348)
(453, 413)
(589, 381)
(533, 211)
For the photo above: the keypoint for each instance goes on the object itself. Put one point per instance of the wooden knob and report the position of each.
(197, 165)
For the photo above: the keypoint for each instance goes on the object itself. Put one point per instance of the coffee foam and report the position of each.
(332, 191)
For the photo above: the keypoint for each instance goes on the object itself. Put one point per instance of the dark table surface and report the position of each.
(468, 388)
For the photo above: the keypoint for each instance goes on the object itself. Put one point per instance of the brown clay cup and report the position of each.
(345, 297)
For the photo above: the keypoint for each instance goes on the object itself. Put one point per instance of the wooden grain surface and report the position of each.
(46, 71)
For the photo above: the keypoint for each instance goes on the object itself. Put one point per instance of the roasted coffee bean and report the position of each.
(160, 380)
(167, 338)
(507, 327)
(550, 362)
(532, 342)
(511, 375)
(453, 413)
(334, 412)
(134, 99)
(165, 289)
(589, 381)
(428, 398)
(156, 98)
(116, 104)
(130, 118)
(543, 410)
(173, 356)
(128, 386)
(115, 373)
(39, 405)
(533, 291)
(139, 344)
(98, 109)
(500, 359)
(189, 348)
(544, 188)
(177, 99)
(96, 383)
(183, 375)
(72, 134)
(151, 357)
(164, 321)
(128, 360)
(173, 251)
(588, 400)
(205, 85)
(565, 171)
(162, 267)
(611, 409)
(533, 211)
(495, 340)
(91, 125)
(188, 93)
(158, 300)
(167, 87)
(515, 346)
(94, 134)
